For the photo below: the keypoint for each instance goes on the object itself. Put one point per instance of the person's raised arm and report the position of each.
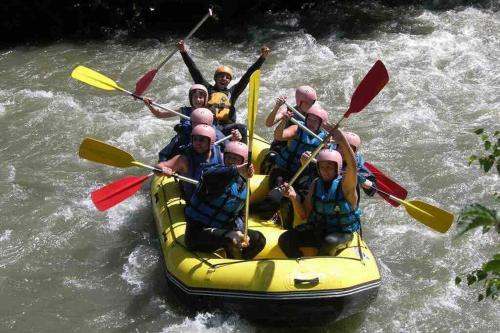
(238, 88)
(277, 113)
(349, 178)
(193, 70)
(284, 134)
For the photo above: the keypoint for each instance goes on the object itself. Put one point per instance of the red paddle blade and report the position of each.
(388, 185)
(114, 193)
(144, 82)
(369, 87)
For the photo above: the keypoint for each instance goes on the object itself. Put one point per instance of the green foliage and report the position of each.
(489, 274)
(476, 215)
(492, 156)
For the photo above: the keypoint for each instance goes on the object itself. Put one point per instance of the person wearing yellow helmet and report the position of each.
(222, 98)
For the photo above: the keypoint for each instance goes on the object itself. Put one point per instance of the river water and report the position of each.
(65, 267)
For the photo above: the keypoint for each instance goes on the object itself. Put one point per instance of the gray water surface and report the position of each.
(65, 267)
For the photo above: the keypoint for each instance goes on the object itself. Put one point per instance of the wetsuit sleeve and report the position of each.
(238, 88)
(215, 179)
(364, 174)
(193, 70)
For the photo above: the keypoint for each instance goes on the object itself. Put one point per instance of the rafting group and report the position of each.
(326, 194)
(266, 229)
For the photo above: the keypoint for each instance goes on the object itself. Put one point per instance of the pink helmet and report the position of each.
(305, 94)
(237, 148)
(353, 139)
(202, 116)
(204, 130)
(318, 112)
(331, 156)
(197, 87)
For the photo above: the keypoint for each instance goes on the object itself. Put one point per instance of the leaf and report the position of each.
(472, 158)
(492, 266)
(481, 275)
(471, 278)
(487, 145)
(479, 131)
(496, 133)
(458, 280)
(483, 137)
(474, 216)
(487, 163)
(480, 297)
(496, 256)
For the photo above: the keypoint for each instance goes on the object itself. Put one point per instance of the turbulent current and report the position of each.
(65, 267)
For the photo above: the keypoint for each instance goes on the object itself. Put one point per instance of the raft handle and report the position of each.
(306, 281)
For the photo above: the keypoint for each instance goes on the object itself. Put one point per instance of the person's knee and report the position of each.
(337, 238)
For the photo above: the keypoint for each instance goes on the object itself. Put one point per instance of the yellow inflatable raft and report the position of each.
(270, 287)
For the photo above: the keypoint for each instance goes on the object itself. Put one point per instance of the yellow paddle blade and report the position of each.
(253, 102)
(432, 216)
(101, 152)
(93, 78)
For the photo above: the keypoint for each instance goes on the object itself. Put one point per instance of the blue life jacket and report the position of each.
(289, 155)
(331, 211)
(196, 163)
(218, 210)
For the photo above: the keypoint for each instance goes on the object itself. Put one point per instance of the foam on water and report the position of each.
(211, 323)
(137, 271)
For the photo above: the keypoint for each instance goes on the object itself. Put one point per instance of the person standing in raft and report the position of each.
(201, 152)
(222, 99)
(331, 205)
(305, 97)
(215, 215)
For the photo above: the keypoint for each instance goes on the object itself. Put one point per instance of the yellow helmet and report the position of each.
(223, 69)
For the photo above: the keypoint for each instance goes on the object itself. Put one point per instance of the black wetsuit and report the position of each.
(233, 92)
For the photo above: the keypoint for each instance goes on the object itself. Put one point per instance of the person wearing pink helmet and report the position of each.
(198, 98)
(365, 177)
(215, 215)
(331, 205)
(201, 151)
(305, 97)
(183, 137)
(222, 98)
(287, 162)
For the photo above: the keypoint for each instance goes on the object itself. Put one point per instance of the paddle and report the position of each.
(388, 185)
(144, 82)
(116, 192)
(98, 80)
(373, 82)
(101, 152)
(253, 104)
(385, 183)
(112, 194)
(432, 216)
